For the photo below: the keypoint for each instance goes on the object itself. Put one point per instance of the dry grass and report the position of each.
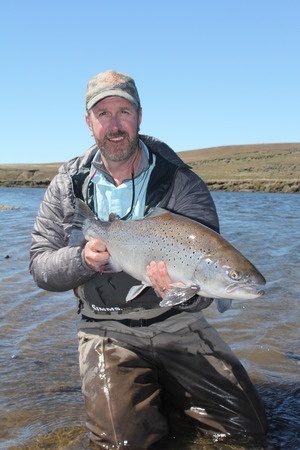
(31, 175)
(261, 167)
(265, 167)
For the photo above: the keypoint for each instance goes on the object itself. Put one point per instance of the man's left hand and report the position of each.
(159, 277)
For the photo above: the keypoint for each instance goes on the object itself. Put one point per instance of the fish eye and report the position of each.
(235, 275)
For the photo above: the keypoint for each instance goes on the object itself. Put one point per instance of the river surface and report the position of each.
(41, 406)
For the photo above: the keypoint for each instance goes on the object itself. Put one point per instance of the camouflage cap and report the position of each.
(111, 83)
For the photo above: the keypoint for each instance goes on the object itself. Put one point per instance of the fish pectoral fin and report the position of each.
(134, 291)
(179, 294)
(223, 304)
(111, 266)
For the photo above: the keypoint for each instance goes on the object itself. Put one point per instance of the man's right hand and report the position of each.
(96, 255)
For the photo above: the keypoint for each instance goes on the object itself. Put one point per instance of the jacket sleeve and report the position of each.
(53, 265)
(190, 197)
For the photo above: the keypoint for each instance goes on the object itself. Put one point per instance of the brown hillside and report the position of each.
(261, 167)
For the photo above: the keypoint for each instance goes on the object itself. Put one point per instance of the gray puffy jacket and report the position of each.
(57, 267)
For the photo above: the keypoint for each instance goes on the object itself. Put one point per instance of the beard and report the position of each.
(118, 151)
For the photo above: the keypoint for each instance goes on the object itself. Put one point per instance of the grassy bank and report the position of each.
(265, 167)
(261, 167)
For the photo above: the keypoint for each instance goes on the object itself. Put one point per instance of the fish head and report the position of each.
(228, 274)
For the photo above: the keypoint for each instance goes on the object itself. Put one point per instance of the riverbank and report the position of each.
(261, 167)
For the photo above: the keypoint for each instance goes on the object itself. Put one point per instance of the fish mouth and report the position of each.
(252, 289)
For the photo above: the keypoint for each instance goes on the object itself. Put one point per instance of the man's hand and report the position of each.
(159, 277)
(96, 255)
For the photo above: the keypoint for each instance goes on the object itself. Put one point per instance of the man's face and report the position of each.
(114, 123)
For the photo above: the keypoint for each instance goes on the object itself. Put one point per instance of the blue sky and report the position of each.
(209, 72)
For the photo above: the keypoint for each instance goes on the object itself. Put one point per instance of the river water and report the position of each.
(41, 406)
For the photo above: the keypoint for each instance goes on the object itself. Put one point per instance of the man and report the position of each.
(134, 354)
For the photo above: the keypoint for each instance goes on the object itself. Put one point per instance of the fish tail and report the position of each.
(82, 211)
(83, 217)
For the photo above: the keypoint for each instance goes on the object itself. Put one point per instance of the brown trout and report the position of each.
(203, 260)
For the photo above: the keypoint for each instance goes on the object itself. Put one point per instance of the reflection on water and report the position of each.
(41, 404)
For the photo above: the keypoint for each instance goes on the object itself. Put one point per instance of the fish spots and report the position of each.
(206, 251)
(212, 264)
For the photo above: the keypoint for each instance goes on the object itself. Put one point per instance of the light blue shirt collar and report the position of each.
(118, 200)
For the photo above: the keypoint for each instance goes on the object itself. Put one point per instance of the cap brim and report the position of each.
(111, 93)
